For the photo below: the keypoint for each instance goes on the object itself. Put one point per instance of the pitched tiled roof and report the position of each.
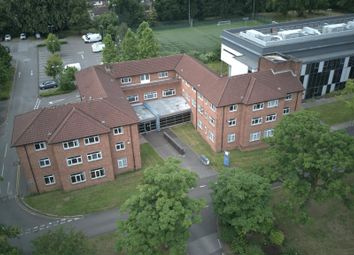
(66, 122)
(105, 106)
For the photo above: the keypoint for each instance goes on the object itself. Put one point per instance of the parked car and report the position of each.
(91, 37)
(48, 84)
(38, 36)
(7, 37)
(77, 66)
(23, 36)
(97, 47)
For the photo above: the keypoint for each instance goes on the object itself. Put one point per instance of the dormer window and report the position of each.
(163, 75)
(40, 146)
(145, 78)
(126, 80)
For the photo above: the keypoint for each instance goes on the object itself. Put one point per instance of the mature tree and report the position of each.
(161, 213)
(348, 91)
(107, 23)
(53, 43)
(79, 17)
(110, 51)
(129, 46)
(54, 66)
(242, 201)
(170, 10)
(148, 45)
(7, 232)
(59, 241)
(5, 57)
(128, 11)
(67, 79)
(310, 160)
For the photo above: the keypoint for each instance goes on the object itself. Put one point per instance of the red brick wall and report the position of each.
(153, 77)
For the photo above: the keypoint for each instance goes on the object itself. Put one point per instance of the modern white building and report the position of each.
(324, 46)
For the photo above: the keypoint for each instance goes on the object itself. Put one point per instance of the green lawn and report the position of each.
(218, 67)
(105, 244)
(242, 159)
(95, 198)
(334, 113)
(201, 38)
(330, 230)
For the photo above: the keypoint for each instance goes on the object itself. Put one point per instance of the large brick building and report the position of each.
(82, 144)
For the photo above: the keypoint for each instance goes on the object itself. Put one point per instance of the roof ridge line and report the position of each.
(29, 124)
(223, 91)
(115, 107)
(54, 134)
(249, 89)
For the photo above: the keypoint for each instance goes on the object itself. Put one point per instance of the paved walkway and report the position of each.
(189, 161)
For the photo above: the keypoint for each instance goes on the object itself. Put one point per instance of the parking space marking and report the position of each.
(2, 171)
(5, 151)
(19, 74)
(36, 105)
(8, 188)
(202, 186)
(31, 72)
(82, 56)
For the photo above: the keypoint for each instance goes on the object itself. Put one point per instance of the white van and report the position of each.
(90, 37)
(74, 65)
(97, 47)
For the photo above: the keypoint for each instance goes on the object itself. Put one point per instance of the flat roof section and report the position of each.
(163, 107)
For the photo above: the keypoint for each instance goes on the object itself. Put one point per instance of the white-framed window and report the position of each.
(91, 140)
(71, 144)
(49, 179)
(268, 132)
(271, 117)
(93, 156)
(78, 178)
(168, 92)
(231, 122)
(193, 102)
(231, 138)
(212, 107)
(233, 108)
(118, 131)
(212, 121)
(255, 136)
(256, 121)
(97, 173)
(200, 124)
(286, 110)
(163, 75)
(194, 90)
(40, 146)
(288, 97)
(257, 107)
(126, 80)
(150, 95)
(200, 96)
(122, 162)
(44, 162)
(133, 98)
(145, 78)
(120, 146)
(200, 109)
(211, 136)
(273, 103)
(72, 161)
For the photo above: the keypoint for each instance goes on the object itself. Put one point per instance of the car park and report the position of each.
(97, 47)
(91, 37)
(7, 37)
(48, 84)
(23, 36)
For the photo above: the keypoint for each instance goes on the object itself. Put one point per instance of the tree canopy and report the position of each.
(147, 43)
(59, 241)
(161, 213)
(242, 200)
(7, 232)
(54, 66)
(129, 46)
(128, 11)
(310, 160)
(110, 51)
(53, 44)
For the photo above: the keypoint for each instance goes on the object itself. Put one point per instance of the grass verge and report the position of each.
(54, 92)
(105, 244)
(242, 159)
(5, 90)
(95, 198)
(334, 113)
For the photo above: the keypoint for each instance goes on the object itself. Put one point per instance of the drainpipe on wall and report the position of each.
(222, 128)
(132, 142)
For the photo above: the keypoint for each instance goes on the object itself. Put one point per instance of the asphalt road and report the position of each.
(25, 98)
